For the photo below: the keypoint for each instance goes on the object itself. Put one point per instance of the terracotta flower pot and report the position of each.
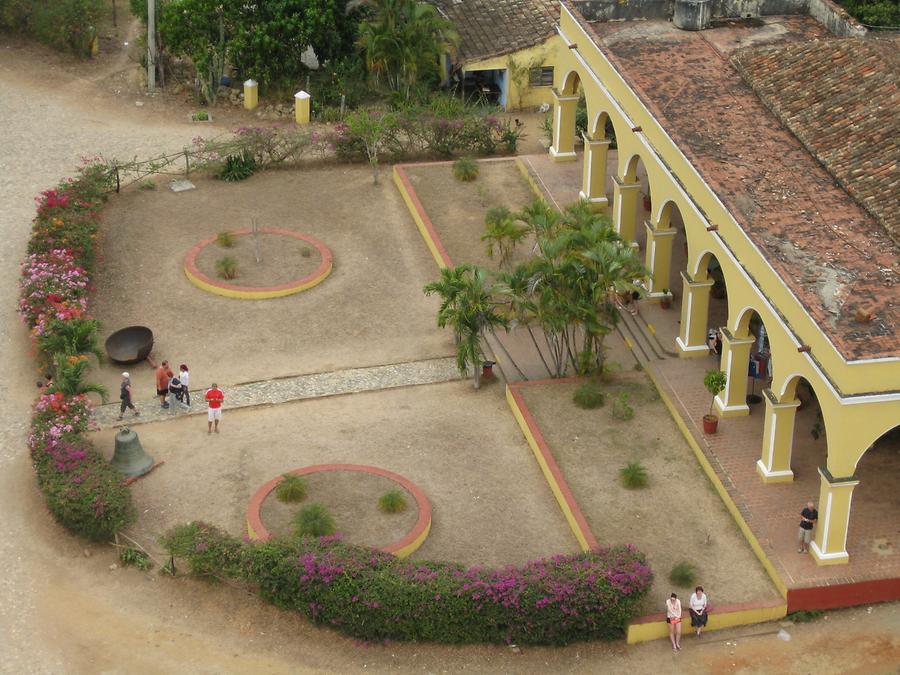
(710, 424)
(665, 302)
(487, 370)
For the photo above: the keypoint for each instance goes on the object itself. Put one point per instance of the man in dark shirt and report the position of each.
(808, 518)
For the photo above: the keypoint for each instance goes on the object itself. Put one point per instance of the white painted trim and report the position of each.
(683, 347)
(690, 306)
(817, 552)
(556, 130)
(827, 521)
(651, 281)
(772, 474)
(847, 528)
(592, 200)
(556, 153)
(587, 169)
(643, 141)
(771, 450)
(729, 408)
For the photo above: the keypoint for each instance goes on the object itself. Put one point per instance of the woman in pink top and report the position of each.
(673, 618)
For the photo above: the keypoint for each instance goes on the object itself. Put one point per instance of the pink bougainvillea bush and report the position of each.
(83, 491)
(372, 595)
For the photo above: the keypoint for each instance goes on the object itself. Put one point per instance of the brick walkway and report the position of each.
(282, 390)
(772, 511)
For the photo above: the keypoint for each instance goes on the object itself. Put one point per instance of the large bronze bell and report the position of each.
(129, 457)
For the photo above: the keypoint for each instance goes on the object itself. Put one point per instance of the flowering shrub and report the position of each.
(52, 287)
(83, 491)
(372, 595)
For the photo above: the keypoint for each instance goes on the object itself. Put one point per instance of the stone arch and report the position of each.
(571, 84)
(741, 325)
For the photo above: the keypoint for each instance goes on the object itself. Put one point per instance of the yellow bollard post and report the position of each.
(301, 107)
(251, 94)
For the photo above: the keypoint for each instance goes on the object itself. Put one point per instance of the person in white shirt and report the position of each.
(698, 609)
(673, 618)
(185, 377)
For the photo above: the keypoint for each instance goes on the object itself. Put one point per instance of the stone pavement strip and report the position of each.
(283, 390)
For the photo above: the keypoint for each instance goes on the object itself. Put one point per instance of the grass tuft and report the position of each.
(392, 501)
(225, 239)
(465, 169)
(683, 574)
(226, 267)
(291, 489)
(313, 520)
(589, 396)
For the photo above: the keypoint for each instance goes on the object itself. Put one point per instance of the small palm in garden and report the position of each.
(465, 169)
(226, 267)
(502, 232)
(633, 475)
(72, 338)
(313, 520)
(69, 378)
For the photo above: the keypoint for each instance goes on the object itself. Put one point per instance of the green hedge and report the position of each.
(372, 595)
(64, 24)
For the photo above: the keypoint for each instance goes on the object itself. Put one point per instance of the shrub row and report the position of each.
(83, 492)
(372, 595)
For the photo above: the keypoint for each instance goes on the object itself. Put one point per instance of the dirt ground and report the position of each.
(281, 260)
(63, 611)
(369, 311)
(677, 516)
(457, 209)
(491, 505)
(351, 497)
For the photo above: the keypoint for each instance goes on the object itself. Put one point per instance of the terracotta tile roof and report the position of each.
(490, 28)
(831, 253)
(841, 98)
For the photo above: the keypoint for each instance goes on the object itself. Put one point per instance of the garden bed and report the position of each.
(369, 311)
(677, 516)
(491, 505)
(457, 209)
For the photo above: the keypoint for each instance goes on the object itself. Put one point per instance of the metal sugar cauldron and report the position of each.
(130, 345)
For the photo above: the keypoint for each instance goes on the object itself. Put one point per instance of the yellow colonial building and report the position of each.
(748, 162)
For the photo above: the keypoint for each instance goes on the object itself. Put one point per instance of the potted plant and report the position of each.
(714, 381)
(666, 300)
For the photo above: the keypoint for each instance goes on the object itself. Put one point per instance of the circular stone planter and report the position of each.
(221, 287)
(401, 548)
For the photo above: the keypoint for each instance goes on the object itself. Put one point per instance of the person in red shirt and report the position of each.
(163, 373)
(214, 398)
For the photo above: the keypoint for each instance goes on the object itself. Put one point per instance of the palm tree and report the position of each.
(71, 338)
(404, 41)
(503, 232)
(468, 306)
(513, 287)
(68, 380)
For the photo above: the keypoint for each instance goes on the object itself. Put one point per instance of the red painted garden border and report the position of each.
(234, 290)
(421, 527)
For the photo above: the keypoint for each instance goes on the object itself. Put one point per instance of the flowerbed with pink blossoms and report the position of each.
(83, 492)
(372, 595)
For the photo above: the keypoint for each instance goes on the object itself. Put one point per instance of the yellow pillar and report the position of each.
(301, 107)
(691, 339)
(593, 176)
(625, 208)
(830, 544)
(732, 402)
(774, 466)
(658, 260)
(563, 148)
(251, 94)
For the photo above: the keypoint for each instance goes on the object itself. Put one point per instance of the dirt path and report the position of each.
(63, 611)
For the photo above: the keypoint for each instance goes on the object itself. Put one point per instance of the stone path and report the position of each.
(283, 390)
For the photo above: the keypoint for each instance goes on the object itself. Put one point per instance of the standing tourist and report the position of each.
(698, 609)
(185, 376)
(162, 383)
(214, 398)
(125, 396)
(808, 518)
(673, 618)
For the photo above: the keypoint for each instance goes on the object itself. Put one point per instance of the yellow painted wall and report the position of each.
(545, 54)
(851, 424)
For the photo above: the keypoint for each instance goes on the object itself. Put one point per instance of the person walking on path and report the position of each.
(673, 618)
(162, 383)
(698, 609)
(808, 518)
(125, 396)
(214, 397)
(185, 376)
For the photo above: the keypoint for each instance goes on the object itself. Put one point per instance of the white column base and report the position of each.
(730, 410)
(556, 154)
(837, 558)
(597, 201)
(785, 476)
